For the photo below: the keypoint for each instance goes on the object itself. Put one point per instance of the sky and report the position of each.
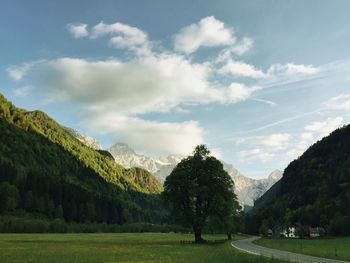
(258, 82)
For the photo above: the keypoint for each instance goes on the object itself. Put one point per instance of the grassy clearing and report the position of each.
(336, 248)
(86, 248)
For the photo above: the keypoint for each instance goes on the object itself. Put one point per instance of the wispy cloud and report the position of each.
(268, 102)
(291, 69)
(340, 102)
(241, 69)
(255, 154)
(18, 72)
(276, 141)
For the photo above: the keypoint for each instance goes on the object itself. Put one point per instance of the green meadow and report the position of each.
(336, 248)
(147, 247)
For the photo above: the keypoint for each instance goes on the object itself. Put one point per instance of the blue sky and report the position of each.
(257, 81)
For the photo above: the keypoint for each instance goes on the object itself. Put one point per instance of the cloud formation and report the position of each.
(341, 102)
(18, 72)
(123, 36)
(263, 148)
(313, 132)
(178, 138)
(155, 84)
(255, 154)
(291, 69)
(115, 94)
(78, 30)
(241, 69)
(277, 71)
(208, 32)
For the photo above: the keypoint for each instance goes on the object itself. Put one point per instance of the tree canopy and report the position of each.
(199, 189)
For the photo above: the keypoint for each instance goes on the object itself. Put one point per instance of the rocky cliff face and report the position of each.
(87, 140)
(247, 189)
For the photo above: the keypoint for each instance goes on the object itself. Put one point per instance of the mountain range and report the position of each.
(247, 189)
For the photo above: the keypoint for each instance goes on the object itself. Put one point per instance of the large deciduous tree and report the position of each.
(199, 188)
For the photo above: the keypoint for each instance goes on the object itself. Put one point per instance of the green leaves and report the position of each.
(198, 188)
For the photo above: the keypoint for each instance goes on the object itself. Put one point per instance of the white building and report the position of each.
(290, 232)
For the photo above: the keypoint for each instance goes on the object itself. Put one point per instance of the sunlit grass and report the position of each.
(147, 247)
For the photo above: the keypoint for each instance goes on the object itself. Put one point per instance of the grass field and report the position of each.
(337, 248)
(86, 248)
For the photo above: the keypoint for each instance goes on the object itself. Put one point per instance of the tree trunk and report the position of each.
(229, 235)
(198, 236)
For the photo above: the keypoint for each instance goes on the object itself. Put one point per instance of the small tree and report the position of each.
(199, 188)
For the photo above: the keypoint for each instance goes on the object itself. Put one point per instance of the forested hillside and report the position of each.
(46, 172)
(314, 189)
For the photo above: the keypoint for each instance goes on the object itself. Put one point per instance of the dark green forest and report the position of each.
(46, 173)
(314, 189)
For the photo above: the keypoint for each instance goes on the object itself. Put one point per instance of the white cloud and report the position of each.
(152, 84)
(275, 141)
(286, 146)
(208, 32)
(124, 36)
(291, 69)
(216, 153)
(236, 49)
(294, 153)
(267, 145)
(241, 69)
(240, 92)
(324, 128)
(255, 154)
(268, 102)
(311, 133)
(150, 136)
(306, 136)
(341, 102)
(18, 72)
(111, 94)
(78, 30)
(243, 46)
(276, 71)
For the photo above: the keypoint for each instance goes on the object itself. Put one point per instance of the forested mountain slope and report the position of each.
(45, 170)
(314, 189)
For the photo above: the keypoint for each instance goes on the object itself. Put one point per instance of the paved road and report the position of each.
(247, 246)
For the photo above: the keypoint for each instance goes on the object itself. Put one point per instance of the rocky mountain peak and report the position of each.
(121, 149)
(247, 189)
(87, 140)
